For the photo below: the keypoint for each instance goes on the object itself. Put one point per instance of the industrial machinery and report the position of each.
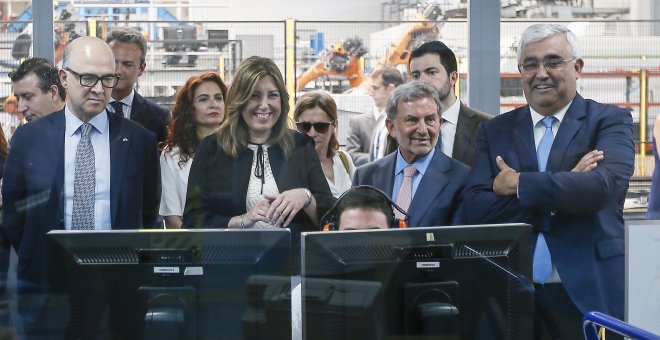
(342, 60)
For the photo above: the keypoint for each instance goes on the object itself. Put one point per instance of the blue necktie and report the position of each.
(542, 260)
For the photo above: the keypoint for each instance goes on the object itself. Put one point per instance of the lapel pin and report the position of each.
(124, 139)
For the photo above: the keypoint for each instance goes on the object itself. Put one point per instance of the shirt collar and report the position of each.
(378, 114)
(451, 114)
(421, 164)
(536, 117)
(73, 123)
(128, 100)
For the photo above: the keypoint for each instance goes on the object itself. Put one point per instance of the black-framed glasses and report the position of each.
(550, 63)
(320, 127)
(89, 80)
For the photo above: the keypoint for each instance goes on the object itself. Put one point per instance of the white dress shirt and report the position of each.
(448, 128)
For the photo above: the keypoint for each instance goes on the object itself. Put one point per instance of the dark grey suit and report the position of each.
(152, 116)
(360, 135)
(465, 142)
(437, 201)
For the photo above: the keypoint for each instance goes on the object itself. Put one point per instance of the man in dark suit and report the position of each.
(421, 179)
(562, 164)
(130, 49)
(434, 63)
(78, 168)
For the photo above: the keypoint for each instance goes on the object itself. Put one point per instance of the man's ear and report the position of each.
(390, 127)
(63, 77)
(141, 69)
(54, 93)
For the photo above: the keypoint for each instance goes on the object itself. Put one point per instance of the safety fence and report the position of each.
(622, 59)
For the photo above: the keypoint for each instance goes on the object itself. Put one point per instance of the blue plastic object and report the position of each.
(592, 320)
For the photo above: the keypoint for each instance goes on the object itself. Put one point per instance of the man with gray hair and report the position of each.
(562, 164)
(130, 49)
(422, 180)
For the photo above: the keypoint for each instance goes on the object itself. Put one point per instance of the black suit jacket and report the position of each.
(150, 115)
(465, 142)
(33, 189)
(217, 184)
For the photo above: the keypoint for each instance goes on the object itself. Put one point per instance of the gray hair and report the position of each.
(539, 32)
(129, 36)
(410, 92)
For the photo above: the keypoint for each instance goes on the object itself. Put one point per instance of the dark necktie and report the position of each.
(118, 107)
(542, 268)
(84, 183)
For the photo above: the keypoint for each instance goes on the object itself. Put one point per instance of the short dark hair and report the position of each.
(45, 71)
(364, 197)
(390, 75)
(446, 55)
(129, 36)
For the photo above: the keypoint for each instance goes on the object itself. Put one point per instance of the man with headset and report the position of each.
(363, 208)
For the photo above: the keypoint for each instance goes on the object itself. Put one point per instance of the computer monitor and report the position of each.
(218, 38)
(462, 282)
(164, 284)
(180, 38)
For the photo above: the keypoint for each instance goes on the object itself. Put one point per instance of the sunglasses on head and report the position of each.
(320, 127)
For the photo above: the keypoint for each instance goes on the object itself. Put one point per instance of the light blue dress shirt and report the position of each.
(100, 138)
(421, 165)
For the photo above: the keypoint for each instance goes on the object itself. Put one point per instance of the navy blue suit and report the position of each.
(580, 213)
(437, 200)
(34, 178)
(150, 115)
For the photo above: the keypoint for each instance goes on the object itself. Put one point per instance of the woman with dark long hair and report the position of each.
(199, 110)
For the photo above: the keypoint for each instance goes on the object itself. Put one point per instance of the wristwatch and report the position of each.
(309, 198)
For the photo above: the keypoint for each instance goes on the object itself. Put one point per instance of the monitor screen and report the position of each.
(463, 282)
(218, 38)
(181, 38)
(157, 284)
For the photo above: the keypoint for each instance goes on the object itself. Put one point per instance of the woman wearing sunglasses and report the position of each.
(198, 111)
(316, 116)
(255, 172)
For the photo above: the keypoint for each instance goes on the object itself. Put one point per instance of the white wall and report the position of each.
(309, 10)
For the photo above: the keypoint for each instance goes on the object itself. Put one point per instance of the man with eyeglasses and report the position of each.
(435, 64)
(421, 179)
(130, 49)
(80, 168)
(562, 164)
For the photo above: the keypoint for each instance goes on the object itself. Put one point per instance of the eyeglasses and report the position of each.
(89, 80)
(320, 127)
(552, 63)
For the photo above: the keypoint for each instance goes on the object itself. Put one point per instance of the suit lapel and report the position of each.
(57, 148)
(463, 133)
(430, 187)
(138, 108)
(119, 147)
(568, 129)
(385, 174)
(523, 141)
